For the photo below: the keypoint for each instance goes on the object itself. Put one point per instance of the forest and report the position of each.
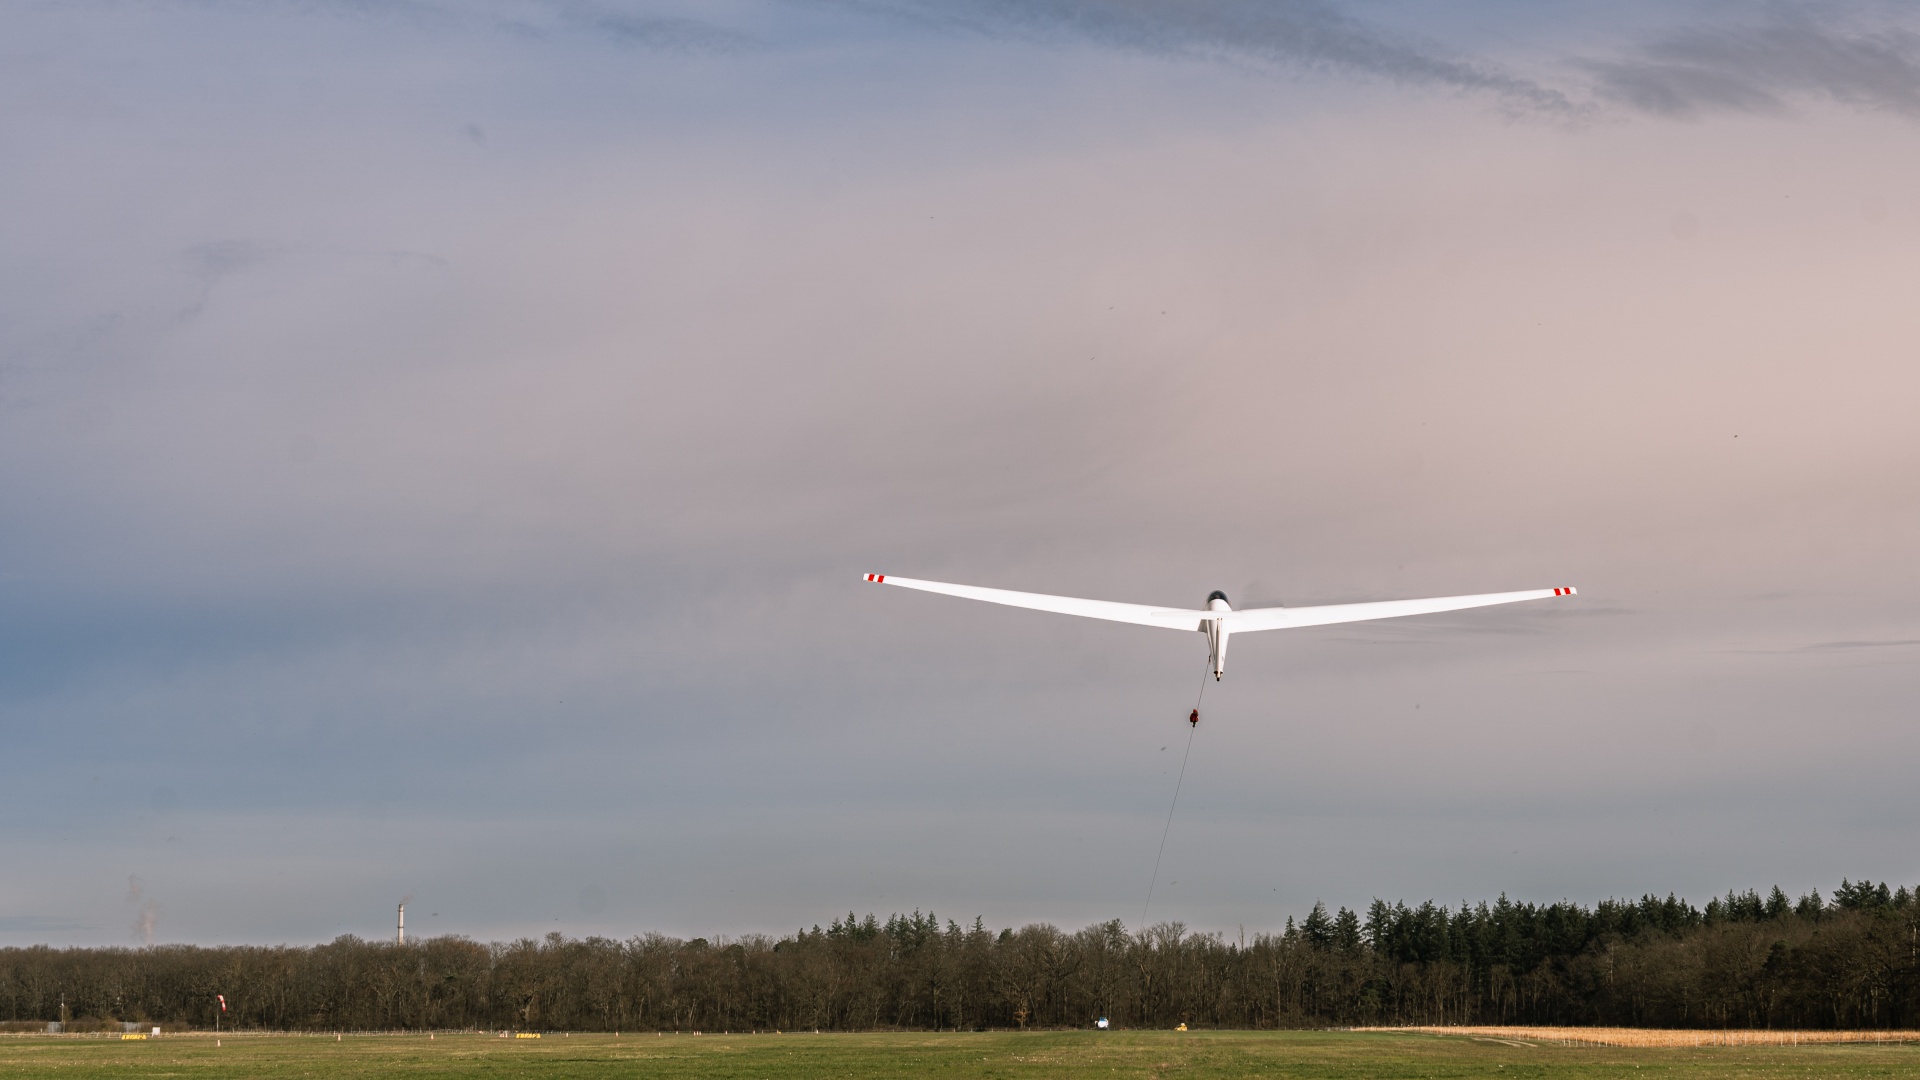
(1851, 960)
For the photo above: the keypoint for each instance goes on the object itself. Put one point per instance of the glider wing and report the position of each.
(1141, 614)
(1281, 618)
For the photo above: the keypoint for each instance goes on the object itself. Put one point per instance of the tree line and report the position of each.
(1745, 960)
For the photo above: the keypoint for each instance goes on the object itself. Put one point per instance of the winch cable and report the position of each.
(1191, 731)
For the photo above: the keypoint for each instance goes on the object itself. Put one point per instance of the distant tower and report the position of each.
(400, 930)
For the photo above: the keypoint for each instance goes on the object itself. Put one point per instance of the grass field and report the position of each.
(999, 1054)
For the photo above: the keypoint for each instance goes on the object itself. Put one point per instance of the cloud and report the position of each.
(566, 519)
(1758, 68)
(1301, 32)
(1832, 646)
(669, 32)
(1718, 65)
(37, 924)
(216, 260)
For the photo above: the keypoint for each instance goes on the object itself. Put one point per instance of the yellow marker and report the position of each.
(131, 1036)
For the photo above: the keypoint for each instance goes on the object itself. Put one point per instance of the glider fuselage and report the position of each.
(1216, 631)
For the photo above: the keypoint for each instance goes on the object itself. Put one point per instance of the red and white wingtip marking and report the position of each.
(1568, 591)
(881, 579)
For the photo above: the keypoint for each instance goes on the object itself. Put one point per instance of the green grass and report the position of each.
(1076, 1054)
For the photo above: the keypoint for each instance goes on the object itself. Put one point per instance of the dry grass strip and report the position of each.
(1660, 1037)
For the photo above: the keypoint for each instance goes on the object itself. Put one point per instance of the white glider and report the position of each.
(1219, 619)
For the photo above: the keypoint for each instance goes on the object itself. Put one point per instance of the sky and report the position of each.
(440, 445)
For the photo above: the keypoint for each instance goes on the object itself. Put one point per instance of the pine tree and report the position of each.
(1346, 931)
(1318, 929)
(1379, 924)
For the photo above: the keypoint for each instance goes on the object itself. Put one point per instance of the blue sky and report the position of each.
(439, 445)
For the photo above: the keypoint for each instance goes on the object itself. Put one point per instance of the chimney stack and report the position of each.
(400, 930)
